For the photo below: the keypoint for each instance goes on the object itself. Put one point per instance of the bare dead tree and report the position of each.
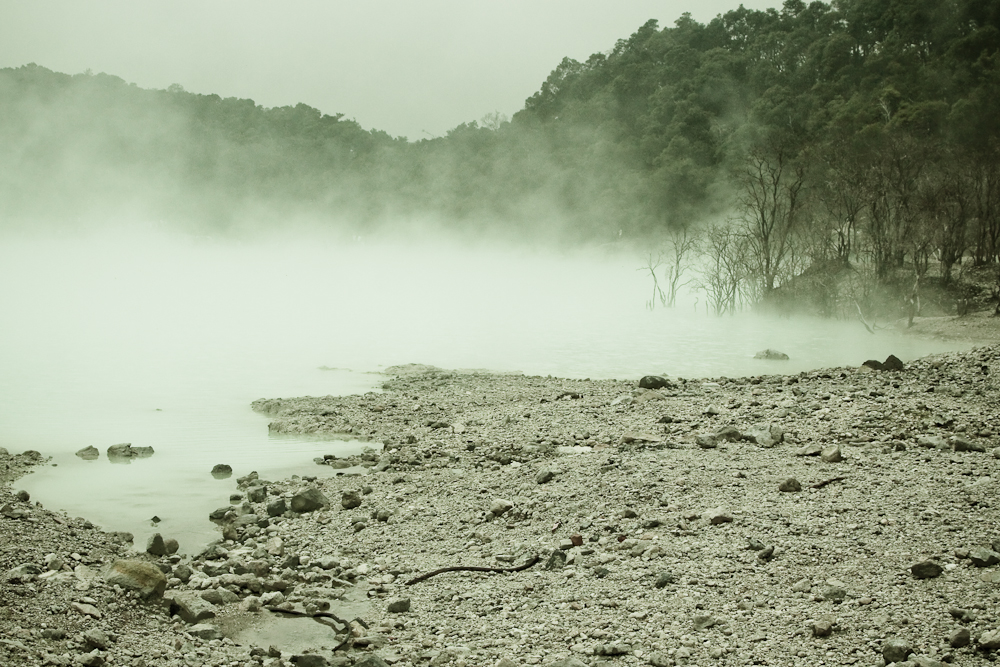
(682, 244)
(651, 268)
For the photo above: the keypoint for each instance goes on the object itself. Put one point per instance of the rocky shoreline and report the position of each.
(841, 516)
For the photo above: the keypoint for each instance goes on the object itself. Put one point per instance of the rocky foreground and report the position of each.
(843, 516)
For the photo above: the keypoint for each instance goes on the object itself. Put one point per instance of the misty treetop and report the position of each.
(861, 130)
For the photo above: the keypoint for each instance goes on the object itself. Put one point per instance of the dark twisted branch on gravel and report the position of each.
(316, 614)
(473, 568)
(820, 485)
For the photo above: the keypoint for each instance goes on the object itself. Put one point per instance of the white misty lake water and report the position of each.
(163, 341)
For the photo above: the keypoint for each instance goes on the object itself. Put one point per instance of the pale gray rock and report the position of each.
(981, 557)
(771, 355)
(832, 454)
(717, 515)
(96, 638)
(86, 609)
(765, 435)
(990, 640)
(23, 573)
(703, 621)
(92, 659)
(932, 442)
(544, 475)
(614, 648)
(822, 628)
(398, 606)
(499, 506)
(189, 606)
(137, 575)
(219, 596)
(707, 441)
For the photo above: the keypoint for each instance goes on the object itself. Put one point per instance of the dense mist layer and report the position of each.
(163, 340)
(807, 139)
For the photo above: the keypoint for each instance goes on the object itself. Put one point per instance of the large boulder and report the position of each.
(309, 500)
(137, 575)
(89, 453)
(771, 355)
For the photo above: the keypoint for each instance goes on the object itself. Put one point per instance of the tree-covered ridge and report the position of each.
(862, 130)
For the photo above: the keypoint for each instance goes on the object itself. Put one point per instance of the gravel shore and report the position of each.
(841, 516)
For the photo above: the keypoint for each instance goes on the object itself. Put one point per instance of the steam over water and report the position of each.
(164, 341)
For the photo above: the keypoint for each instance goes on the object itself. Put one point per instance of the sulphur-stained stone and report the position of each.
(137, 575)
(926, 569)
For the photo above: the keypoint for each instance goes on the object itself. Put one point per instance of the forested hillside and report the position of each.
(862, 131)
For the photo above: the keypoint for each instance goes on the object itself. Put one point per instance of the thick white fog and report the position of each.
(163, 340)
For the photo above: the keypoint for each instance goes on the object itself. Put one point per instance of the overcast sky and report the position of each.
(409, 67)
